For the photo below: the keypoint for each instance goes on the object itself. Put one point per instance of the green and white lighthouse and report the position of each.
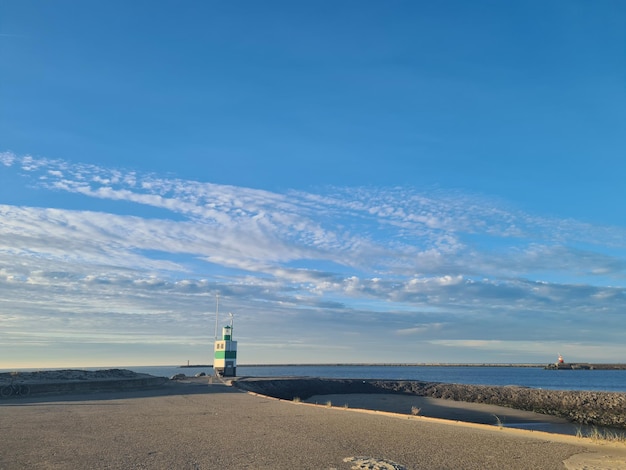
(225, 360)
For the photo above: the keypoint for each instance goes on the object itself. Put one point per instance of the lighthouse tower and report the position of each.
(225, 359)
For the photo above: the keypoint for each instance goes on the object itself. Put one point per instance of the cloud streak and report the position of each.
(417, 263)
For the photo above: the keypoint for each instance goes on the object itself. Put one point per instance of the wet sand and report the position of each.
(193, 425)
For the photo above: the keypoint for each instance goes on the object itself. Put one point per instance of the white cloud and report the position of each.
(372, 257)
(7, 158)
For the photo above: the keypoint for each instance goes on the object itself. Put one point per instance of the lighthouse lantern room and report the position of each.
(225, 359)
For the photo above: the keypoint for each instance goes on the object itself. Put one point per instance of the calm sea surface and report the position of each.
(534, 377)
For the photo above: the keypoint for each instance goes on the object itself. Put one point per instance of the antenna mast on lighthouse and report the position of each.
(217, 306)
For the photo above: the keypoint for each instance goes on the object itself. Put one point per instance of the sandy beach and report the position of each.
(451, 410)
(192, 424)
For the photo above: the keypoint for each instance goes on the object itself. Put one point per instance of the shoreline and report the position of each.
(542, 365)
(573, 365)
(399, 364)
(203, 422)
(192, 424)
(603, 409)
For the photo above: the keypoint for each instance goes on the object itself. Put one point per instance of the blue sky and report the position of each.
(360, 181)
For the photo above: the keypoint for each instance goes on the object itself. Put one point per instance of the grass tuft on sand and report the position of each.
(602, 435)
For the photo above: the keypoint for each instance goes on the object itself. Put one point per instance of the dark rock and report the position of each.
(595, 408)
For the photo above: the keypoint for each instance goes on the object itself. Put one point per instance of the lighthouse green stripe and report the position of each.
(225, 354)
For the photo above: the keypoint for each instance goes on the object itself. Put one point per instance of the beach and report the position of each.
(579, 408)
(195, 424)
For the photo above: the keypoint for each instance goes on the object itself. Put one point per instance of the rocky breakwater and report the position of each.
(593, 408)
(78, 381)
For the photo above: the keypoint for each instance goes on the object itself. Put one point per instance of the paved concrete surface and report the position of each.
(199, 426)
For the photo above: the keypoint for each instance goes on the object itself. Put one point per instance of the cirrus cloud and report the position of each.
(414, 262)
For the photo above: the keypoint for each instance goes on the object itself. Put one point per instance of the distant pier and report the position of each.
(584, 366)
(555, 366)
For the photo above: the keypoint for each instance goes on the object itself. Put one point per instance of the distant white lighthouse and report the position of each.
(225, 359)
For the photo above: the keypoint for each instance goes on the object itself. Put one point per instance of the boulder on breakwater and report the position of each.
(584, 407)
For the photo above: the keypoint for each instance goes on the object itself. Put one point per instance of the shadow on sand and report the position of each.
(190, 386)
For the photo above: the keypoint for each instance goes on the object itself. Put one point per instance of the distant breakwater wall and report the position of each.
(593, 408)
(584, 366)
(578, 365)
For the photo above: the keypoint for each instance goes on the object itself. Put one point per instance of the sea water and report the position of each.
(533, 377)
